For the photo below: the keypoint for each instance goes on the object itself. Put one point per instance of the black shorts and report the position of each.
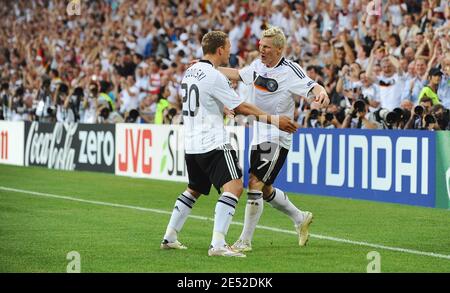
(266, 161)
(216, 167)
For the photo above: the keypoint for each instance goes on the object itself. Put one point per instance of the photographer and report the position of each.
(311, 119)
(104, 115)
(360, 117)
(395, 119)
(21, 106)
(329, 120)
(421, 118)
(5, 103)
(315, 118)
(434, 79)
(75, 102)
(442, 116)
(164, 112)
(45, 110)
(64, 107)
(88, 109)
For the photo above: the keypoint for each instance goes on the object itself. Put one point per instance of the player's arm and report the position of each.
(230, 73)
(304, 86)
(224, 93)
(321, 95)
(282, 122)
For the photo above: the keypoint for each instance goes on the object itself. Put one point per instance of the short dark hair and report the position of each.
(426, 99)
(437, 107)
(311, 67)
(435, 72)
(396, 37)
(104, 86)
(55, 72)
(212, 41)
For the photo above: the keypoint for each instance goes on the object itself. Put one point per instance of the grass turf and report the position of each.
(36, 232)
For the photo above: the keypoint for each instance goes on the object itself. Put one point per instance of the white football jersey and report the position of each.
(273, 91)
(205, 93)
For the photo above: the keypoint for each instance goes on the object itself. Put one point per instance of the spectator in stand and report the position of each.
(143, 38)
(430, 91)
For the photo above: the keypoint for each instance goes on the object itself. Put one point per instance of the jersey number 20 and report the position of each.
(187, 100)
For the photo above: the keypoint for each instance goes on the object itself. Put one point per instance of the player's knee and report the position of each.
(235, 187)
(238, 189)
(194, 193)
(254, 183)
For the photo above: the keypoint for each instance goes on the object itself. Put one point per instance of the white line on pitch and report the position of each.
(360, 243)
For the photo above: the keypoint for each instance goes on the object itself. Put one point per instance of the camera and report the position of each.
(314, 113)
(401, 115)
(46, 83)
(132, 116)
(389, 117)
(418, 110)
(329, 116)
(360, 106)
(171, 113)
(4, 86)
(429, 119)
(51, 111)
(104, 113)
(63, 89)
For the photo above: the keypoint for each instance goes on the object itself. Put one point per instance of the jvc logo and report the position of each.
(4, 145)
(137, 146)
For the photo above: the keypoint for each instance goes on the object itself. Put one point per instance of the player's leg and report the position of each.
(224, 171)
(198, 184)
(253, 211)
(261, 164)
(181, 211)
(279, 200)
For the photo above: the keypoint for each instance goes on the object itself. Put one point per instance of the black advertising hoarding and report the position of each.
(88, 147)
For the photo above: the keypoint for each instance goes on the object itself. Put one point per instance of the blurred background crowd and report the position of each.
(123, 61)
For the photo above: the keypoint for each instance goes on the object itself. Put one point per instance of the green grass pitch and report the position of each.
(37, 232)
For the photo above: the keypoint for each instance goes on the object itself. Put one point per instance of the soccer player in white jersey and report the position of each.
(210, 159)
(275, 82)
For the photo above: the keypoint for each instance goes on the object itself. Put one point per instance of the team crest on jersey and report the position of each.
(265, 83)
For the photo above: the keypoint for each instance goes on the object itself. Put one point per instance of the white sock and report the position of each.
(224, 213)
(181, 210)
(279, 200)
(253, 211)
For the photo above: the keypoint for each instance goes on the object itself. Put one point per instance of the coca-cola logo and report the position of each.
(48, 148)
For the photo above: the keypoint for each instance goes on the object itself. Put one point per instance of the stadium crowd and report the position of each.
(123, 61)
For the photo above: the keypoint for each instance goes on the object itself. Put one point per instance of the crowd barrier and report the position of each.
(407, 167)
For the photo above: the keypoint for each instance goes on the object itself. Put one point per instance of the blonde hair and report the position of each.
(277, 35)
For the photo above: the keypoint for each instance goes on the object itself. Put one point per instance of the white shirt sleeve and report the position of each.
(247, 73)
(301, 83)
(223, 92)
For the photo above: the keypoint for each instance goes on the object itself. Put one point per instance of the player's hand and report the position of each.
(229, 113)
(322, 99)
(287, 124)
